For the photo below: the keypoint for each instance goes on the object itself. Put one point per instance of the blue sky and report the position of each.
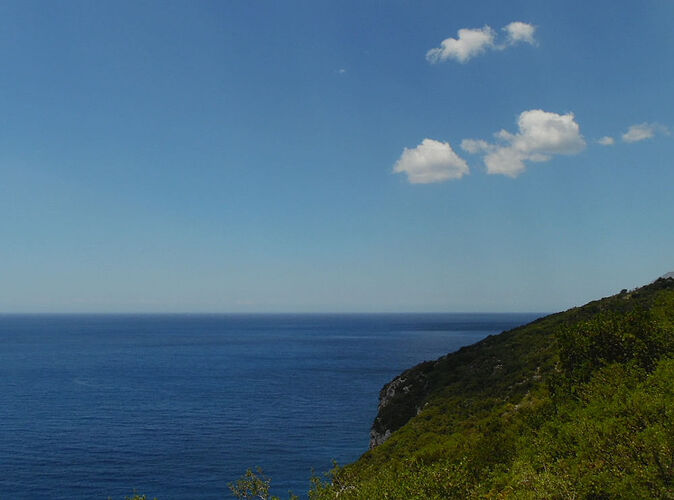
(311, 156)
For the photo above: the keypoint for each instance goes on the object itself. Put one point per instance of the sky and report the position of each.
(344, 156)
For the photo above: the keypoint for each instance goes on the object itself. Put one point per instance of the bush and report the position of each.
(254, 485)
(611, 337)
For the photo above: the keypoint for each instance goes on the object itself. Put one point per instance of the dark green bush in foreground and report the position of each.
(254, 485)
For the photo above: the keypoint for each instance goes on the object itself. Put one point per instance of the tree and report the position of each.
(254, 485)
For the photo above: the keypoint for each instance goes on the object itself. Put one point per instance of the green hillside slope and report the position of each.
(578, 404)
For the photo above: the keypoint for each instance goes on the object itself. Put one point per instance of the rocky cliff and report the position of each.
(400, 400)
(499, 368)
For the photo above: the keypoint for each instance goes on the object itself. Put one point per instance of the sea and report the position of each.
(178, 406)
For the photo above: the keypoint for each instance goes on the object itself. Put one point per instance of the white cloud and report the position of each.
(541, 135)
(431, 161)
(520, 32)
(644, 131)
(472, 42)
(606, 141)
(639, 132)
(476, 145)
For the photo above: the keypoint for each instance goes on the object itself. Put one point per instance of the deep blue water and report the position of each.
(176, 406)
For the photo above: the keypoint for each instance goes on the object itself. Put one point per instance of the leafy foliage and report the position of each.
(254, 485)
(608, 338)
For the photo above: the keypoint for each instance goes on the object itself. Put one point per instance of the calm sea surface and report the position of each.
(176, 406)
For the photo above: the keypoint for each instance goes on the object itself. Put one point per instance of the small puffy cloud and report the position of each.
(520, 32)
(639, 132)
(505, 161)
(431, 161)
(541, 135)
(606, 141)
(341, 71)
(476, 145)
(472, 42)
(643, 131)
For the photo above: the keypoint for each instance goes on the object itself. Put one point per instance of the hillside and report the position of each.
(579, 404)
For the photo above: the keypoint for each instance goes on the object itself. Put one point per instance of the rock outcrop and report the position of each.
(400, 400)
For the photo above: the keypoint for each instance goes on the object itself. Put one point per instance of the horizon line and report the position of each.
(247, 313)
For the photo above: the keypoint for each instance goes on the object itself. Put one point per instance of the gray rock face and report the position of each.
(377, 438)
(395, 388)
(391, 390)
(399, 400)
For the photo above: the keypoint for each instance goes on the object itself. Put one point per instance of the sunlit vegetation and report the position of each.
(254, 485)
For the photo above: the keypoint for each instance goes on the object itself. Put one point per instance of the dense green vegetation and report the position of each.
(255, 485)
(579, 404)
